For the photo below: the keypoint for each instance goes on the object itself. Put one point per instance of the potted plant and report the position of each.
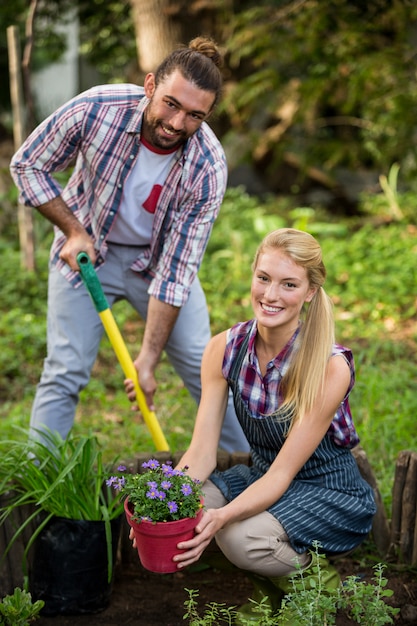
(163, 506)
(71, 519)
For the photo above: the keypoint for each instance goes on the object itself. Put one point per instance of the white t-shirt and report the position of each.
(134, 220)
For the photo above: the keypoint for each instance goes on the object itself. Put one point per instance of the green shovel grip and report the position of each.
(92, 282)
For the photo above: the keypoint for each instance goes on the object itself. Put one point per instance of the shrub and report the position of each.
(18, 609)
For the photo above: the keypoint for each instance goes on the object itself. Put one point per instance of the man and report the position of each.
(147, 185)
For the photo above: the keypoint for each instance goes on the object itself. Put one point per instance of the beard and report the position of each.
(152, 130)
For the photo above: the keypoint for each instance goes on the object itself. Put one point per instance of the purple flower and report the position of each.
(151, 464)
(117, 482)
(151, 491)
(120, 484)
(172, 506)
(186, 490)
(152, 494)
(167, 469)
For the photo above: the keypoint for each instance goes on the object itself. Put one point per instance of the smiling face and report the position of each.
(176, 110)
(279, 289)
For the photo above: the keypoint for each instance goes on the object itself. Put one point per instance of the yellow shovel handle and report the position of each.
(129, 370)
(95, 290)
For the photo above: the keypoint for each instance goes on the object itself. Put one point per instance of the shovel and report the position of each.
(95, 290)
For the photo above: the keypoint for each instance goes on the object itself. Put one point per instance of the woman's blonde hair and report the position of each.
(305, 376)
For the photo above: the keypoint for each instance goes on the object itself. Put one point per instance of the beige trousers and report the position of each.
(258, 544)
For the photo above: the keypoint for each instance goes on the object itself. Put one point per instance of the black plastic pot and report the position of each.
(68, 566)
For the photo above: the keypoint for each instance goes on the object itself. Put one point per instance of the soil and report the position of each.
(141, 598)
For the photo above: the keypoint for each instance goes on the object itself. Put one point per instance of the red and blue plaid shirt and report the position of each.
(100, 131)
(262, 394)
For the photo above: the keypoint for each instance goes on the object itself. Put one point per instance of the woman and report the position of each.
(291, 384)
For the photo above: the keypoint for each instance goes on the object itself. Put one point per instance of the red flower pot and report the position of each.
(157, 541)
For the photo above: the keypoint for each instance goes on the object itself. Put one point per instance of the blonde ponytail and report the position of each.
(304, 379)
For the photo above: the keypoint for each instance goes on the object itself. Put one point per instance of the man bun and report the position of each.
(207, 47)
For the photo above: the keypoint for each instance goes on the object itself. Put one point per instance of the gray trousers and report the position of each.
(258, 544)
(74, 331)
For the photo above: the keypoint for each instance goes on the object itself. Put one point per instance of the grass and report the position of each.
(372, 280)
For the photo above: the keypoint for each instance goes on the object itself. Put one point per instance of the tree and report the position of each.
(157, 31)
(161, 25)
(310, 85)
(48, 46)
(325, 84)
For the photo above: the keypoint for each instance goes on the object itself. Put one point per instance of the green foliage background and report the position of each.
(330, 84)
(347, 68)
(371, 279)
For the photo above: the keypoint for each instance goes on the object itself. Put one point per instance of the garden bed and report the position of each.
(145, 599)
(141, 598)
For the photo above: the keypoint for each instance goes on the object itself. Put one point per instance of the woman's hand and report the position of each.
(205, 530)
(209, 524)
